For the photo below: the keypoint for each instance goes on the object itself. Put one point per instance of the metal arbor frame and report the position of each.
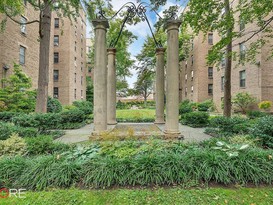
(131, 11)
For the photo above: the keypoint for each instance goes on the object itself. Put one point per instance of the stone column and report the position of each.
(172, 79)
(100, 76)
(111, 87)
(160, 86)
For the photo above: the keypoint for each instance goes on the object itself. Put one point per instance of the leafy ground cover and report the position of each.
(141, 115)
(257, 196)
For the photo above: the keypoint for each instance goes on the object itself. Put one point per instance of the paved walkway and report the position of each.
(80, 135)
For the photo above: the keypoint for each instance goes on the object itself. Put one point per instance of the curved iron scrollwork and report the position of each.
(131, 12)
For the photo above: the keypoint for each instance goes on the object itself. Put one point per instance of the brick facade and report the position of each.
(13, 37)
(258, 76)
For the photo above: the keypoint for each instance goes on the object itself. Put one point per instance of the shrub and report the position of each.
(44, 145)
(25, 120)
(11, 169)
(243, 139)
(85, 106)
(12, 146)
(169, 163)
(185, 107)
(252, 114)
(42, 121)
(265, 105)
(225, 126)
(54, 105)
(242, 101)
(205, 106)
(195, 119)
(7, 129)
(49, 171)
(16, 96)
(263, 129)
(73, 116)
(7, 116)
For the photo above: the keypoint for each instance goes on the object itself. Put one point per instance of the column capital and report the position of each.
(172, 25)
(160, 50)
(100, 23)
(111, 51)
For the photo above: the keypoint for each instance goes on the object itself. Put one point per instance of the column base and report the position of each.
(173, 135)
(159, 122)
(112, 123)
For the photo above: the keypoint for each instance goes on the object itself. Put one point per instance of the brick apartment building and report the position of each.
(89, 44)
(19, 44)
(199, 82)
(69, 58)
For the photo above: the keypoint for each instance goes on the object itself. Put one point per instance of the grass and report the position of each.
(145, 115)
(213, 196)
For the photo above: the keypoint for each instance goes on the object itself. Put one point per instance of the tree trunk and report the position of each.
(45, 27)
(227, 84)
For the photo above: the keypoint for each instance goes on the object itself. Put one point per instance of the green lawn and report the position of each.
(145, 115)
(257, 196)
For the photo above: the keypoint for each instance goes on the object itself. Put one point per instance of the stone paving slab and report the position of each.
(80, 135)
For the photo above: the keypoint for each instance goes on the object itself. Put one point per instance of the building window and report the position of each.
(186, 91)
(75, 77)
(186, 77)
(56, 22)
(81, 80)
(186, 65)
(22, 55)
(81, 66)
(81, 38)
(56, 92)
(76, 33)
(210, 72)
(25, 2)
(75, 46)
(192, 59)
(210, 38)
(243, 79)
(23, 25)
(192, 75)
(242, 24)
(82, 94)
(89, 69)
(222, 83)
(210, 89)
(75, 93)
(81, 52)
(242, 51)
(56, 57)
(56, 75)
(192, 44)
(223, 62)
(75, 61)
(192, 89)
(56, 40)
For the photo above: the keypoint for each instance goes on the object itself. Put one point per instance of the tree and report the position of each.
(214, 15)
(243, 100)
(16, 95)
(144, 85)
(89, 90)
(123, 57)
(68, 8)
(122, 87)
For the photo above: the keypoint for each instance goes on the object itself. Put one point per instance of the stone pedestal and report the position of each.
(160, 86)
(100, 76)
(111, 87)
(172, 79)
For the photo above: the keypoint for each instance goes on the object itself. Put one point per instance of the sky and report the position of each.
(141, 30)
